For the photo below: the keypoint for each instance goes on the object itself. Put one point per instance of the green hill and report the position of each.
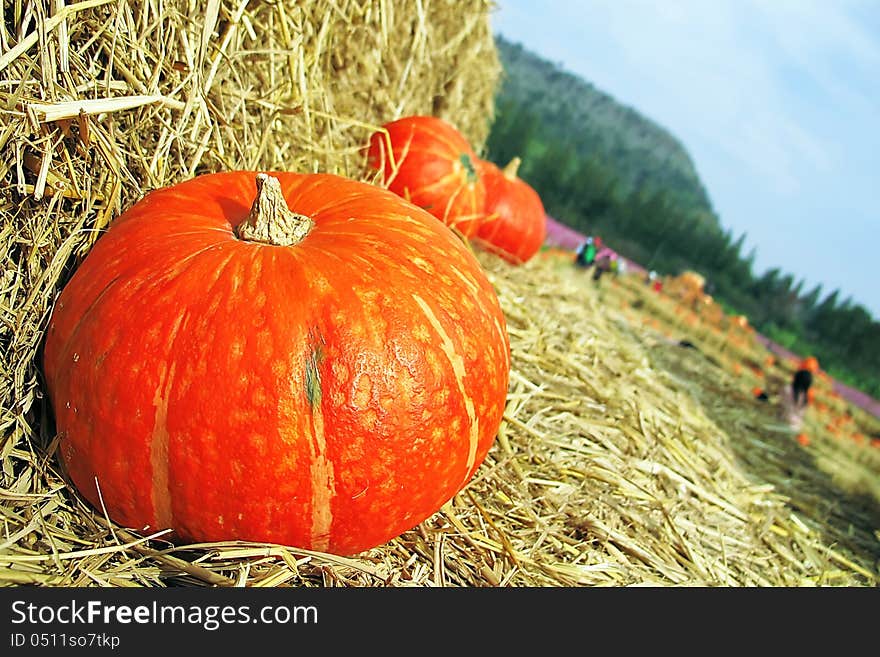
(554, 106)
(602, 168)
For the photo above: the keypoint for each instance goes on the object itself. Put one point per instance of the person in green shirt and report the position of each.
(586, 253)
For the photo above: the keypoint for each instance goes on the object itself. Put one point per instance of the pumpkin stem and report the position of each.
(270, 220)
(512, 167)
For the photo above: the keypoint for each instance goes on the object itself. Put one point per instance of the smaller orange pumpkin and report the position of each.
(515, 225)
(427, 161)
(803, 439)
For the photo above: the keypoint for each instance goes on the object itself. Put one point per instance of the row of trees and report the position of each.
(668, 232)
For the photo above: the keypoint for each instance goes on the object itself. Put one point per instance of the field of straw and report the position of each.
(623, 458)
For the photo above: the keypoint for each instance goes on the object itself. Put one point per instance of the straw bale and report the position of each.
(103, 100)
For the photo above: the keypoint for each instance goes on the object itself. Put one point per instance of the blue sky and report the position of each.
(777, 102)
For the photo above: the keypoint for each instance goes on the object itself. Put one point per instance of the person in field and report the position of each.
(802, 379)
(604, 262)
(586, 252)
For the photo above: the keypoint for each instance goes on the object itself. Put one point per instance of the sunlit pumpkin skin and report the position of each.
(328, 394)
(515, 226)
(431, 164)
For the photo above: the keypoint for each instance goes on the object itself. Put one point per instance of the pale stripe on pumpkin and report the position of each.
(467, 280)
(458, 368)
(321, 470)
(163, 510)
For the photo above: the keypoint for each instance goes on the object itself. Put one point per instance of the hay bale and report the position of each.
(104, 100)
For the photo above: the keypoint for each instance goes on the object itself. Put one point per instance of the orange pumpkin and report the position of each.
(427, 161)
(515, 225)
(809, 363)
(325, 378)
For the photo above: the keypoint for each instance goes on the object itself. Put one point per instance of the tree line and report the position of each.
(663, 225)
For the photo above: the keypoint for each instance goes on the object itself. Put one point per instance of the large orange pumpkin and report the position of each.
(515, 225)
(326, 379)
(429, 162)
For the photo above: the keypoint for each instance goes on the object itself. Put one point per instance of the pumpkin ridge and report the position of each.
(68, 342)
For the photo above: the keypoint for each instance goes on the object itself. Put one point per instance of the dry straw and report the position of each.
(103, 100)
(621, 460)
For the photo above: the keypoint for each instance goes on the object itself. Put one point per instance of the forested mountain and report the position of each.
(644, 155)
(604, 169)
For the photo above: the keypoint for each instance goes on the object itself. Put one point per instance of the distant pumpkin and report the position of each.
(810, 363)
(515, 225)
(427, 161)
